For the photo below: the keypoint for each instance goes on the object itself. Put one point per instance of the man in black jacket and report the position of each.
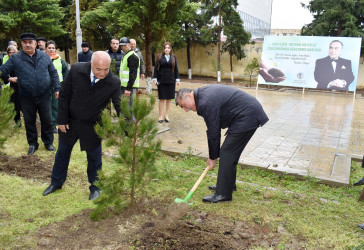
(116, 53)
(224, 107)
(84, 94)
(85, 54)
(36, 77)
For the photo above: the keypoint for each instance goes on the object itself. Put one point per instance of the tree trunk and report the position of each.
(218, 46)
(188, 41)
(231, 68)
(67, 55)
(148, 69)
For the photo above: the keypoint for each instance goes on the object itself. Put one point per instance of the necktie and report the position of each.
(93, 81)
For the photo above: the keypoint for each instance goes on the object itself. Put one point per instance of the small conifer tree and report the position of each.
(137, 154)
(252, 69)
(6, 114)
(113, 67)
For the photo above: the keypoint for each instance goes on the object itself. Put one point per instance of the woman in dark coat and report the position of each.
(165, 77)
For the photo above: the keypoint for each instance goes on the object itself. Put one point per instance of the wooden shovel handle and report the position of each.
(200, 179)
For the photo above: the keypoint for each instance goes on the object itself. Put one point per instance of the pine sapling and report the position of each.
(138, 150)
(7, 115)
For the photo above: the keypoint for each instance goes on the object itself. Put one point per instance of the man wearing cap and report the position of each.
(85, 92)
(36, 76)
(41, 43)
(129, 70)
(85, 54)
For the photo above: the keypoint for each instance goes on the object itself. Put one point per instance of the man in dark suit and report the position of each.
(333, 72)
(84, 94)
(224, 107)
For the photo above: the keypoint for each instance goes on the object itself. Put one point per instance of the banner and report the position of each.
(329, 63)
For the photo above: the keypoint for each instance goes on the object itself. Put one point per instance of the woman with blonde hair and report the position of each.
(166, 76)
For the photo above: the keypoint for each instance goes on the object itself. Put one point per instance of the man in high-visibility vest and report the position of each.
(129, 70)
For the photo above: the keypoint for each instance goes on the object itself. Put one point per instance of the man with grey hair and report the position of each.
(84, 94)
(223, 107)
(139, 53)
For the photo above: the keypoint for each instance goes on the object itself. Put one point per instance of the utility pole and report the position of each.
(78, 27)
(218, 46)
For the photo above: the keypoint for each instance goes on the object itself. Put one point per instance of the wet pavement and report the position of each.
(314, 133)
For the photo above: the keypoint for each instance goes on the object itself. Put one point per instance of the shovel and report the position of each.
(185, 200)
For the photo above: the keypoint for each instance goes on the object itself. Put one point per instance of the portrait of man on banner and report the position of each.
(333, 72)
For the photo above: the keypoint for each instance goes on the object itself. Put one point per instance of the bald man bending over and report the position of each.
(84, 94)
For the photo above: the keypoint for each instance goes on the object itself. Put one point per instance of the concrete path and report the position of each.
(312, 134)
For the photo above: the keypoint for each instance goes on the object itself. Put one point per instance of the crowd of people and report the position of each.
(73, 100)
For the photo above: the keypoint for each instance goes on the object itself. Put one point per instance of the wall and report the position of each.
(202, 57)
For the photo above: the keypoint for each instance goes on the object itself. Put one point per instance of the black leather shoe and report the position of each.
(359, 182)
(32, 149)
(216, 198)
(51, 189)
(50, 147)
(94, 195)
(166, 120)
(361, 226)
(160, 121)
(213, 187)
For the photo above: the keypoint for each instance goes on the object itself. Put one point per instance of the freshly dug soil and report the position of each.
(29, 167)
(152, 224)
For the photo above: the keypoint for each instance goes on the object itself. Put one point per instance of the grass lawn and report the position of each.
(326, 217)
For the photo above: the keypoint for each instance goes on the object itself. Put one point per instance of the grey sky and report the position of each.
(289, 14)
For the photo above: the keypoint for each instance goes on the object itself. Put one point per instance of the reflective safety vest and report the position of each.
(58, 65)
(5, 58)
(124, 71)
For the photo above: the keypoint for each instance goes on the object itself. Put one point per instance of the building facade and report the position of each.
(256, 17)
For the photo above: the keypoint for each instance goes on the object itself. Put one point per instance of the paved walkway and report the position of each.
(308, 134)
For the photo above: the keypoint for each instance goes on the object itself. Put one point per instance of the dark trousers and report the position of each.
(131, 97)
(14, 98)
(230, 152)
(61, 162)
(30, 106)
(54, 108)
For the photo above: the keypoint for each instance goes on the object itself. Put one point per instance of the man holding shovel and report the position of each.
(223, 107)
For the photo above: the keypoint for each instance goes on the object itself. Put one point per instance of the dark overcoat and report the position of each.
(223, 107)
(35, 78)
(80, 105)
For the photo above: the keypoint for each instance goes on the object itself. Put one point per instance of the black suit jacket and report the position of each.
(224, 106)
(164, 74)
(324, 73)
(80, 105)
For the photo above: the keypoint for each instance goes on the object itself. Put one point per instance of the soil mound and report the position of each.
(30, 167)
(151, 225)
